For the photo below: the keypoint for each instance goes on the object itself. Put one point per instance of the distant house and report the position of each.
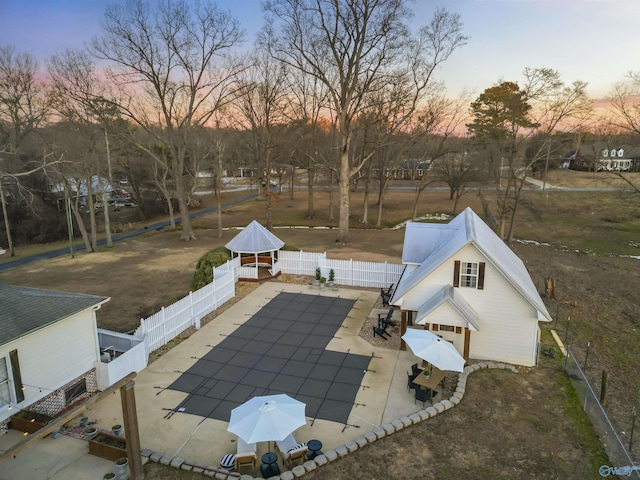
(576, 160)
(462, 282)
(48, 349)
(618, 159)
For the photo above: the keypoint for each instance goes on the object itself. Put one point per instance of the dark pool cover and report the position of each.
(281, 349)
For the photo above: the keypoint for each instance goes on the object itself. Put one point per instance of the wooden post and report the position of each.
(603, 389)
(403, 329)
(128, 399)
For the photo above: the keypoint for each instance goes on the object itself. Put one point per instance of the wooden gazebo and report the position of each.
(257, 248)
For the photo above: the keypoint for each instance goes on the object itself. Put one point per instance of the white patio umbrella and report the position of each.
(271, 417)
(435, 350)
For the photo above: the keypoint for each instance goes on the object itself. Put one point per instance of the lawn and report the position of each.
(508, 425)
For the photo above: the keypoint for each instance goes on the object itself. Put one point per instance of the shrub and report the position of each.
(290, 248)
(204, 268)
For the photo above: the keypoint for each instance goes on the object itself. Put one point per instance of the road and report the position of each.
(118, 236)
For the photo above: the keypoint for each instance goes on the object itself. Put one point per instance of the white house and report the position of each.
(462, 282)
(48, 349)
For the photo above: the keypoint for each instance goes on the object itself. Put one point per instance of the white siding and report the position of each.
(508, 324)
(55, 355)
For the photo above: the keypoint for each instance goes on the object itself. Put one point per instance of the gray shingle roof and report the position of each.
(24, 310)
(254, 238)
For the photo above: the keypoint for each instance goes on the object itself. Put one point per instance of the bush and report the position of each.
(289, 248)
(204, 268)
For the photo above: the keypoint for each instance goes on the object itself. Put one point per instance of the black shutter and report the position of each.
(481, 276)
(456, 273)
(17, 378)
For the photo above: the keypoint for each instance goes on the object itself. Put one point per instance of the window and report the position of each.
(468, 274)
(73, 392)
(446, 328)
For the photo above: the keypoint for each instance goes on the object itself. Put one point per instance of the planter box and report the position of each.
(108, 446)
(29, 422)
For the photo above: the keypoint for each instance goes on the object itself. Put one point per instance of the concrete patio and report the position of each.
(381, 398)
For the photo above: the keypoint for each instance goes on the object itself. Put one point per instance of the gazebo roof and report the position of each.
(254, 238)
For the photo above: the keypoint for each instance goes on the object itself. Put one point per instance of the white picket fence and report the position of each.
(346, 272)
(163, 326)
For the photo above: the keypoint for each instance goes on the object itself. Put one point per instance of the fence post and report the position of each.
(191, 305)
(351, 270)
(633, 424)
(214, 302)
(586, 357)
(386, 274)
(197, 323)
(164, 327)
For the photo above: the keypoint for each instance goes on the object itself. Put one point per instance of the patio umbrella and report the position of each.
(267, 418)
(435, 350)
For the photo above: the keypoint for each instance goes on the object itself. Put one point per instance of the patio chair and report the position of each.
(381, 332)
(283, 446)
(295, 455)
(410, 384)
(415, 369)
(246, 461)
(422, 395)
(384, 321)
(246, 455)
(385, 295)
(244, 447)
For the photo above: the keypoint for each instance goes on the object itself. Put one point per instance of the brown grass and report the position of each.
(508, 426)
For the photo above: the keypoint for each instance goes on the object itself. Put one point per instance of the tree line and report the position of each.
(343, 90)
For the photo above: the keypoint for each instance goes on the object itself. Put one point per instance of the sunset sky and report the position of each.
(597, 41)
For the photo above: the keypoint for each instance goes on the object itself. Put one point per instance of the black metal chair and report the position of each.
(381, 332)
(422, 395)
(410, 383)
(385, 320)
(385, 295)
(415, 369)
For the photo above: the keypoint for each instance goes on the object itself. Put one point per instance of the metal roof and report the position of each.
(449, 295)
(24, 310)
(464, 229)
(254, 238)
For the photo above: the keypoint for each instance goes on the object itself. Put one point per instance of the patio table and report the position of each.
(432, 381)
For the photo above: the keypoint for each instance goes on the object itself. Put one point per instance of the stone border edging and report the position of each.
(343, 450)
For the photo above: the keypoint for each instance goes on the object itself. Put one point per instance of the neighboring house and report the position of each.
(576, 160)
(462, 282)
(48, 349)
(619, 160)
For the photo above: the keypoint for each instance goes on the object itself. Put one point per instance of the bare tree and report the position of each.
(354, 47)
(262, 107)
(437, 123)
(510, 114)
(24, 106)
(307, 102)
(626, 107)
(79, 98)
(174, 66)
